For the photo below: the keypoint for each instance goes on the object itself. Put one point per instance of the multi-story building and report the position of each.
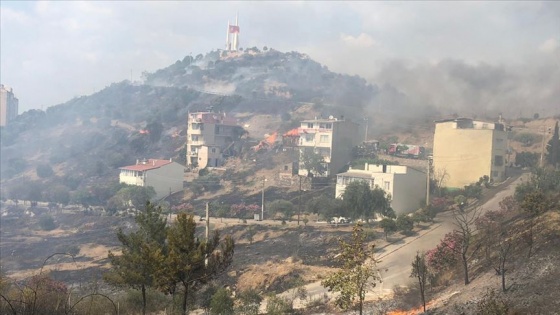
(210, 138)
(332, 139)
(466, 149)
(165, 176)
(8, 105)
(405, 185)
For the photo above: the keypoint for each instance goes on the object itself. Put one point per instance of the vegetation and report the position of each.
(363, 202)
(142, 253)
(358, 273)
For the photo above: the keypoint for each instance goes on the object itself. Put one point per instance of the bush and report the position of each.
(526, 159)
(492, 304)
(221, 303)
(283, 207)
(44, 171)
(249, 302)
(46, 223)
(527, 139)
(404, 224)
(278, 306)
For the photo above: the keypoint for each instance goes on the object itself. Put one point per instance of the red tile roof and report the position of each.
(149, 164)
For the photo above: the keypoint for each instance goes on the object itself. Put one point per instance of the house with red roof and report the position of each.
(165, 176)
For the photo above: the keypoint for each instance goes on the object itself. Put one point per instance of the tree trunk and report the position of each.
(465, 268)
(361, 304)
(143, 300)
(422, 294)
(185, 294)
(503, 272)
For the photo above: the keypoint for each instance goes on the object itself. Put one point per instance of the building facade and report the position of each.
(406, 185)
(8, 105)
(332, 139)
(211, 138)
(165, 176)
(466, 149)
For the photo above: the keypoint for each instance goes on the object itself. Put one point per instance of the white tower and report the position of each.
(232, 36)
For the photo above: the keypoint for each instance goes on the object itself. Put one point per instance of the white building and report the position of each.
(165, 176)
(8, 105)
(210, 138)
(406, 185)
(331, 138)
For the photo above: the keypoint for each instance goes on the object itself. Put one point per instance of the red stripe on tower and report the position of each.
(233, 29)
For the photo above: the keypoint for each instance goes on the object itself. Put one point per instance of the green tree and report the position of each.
(191, 262)
(313, 162)
(404, 224)
(284, 207)
(389, 226)
(221, 303)
(526, 159)
(46, 222)
(420, 272)
(358, 200)
(358, 273)
(142, 253)
(249, 302)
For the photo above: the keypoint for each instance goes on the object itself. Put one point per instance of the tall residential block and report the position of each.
(332, 139)
(8, 105)
(211, 138)
(466, 149)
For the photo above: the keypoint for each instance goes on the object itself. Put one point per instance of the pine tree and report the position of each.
(142, 253)
(191, 262)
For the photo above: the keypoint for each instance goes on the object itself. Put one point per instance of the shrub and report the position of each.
(46, 222)
(404, 224)
(44, 171)
(492, 304)
(222, 302)
(278, 306)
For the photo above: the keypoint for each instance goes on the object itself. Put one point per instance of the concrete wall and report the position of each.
(408, 191)
(168, 178)
(466, 154)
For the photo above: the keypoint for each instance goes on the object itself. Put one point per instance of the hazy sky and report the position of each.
(53, 51)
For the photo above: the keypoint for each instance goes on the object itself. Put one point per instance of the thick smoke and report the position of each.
(483, 90)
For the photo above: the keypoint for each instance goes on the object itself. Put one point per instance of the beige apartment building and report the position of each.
(406, 185)
(331, 138)
(467, 149)
(8, 105)
(210, 138)
(165, 176)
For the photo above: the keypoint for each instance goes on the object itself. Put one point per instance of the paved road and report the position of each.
(396, 258)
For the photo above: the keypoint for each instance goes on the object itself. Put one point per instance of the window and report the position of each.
(309, 125)
(309, 137)
(498, 160)
(194, 137)
(213, 150)
(286, 167)
(195, 126)
(324, 138)
(387, 185)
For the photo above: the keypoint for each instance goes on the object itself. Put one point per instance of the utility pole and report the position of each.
(262, 200)
(207, 222)
(428, 181)
(299, 210)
